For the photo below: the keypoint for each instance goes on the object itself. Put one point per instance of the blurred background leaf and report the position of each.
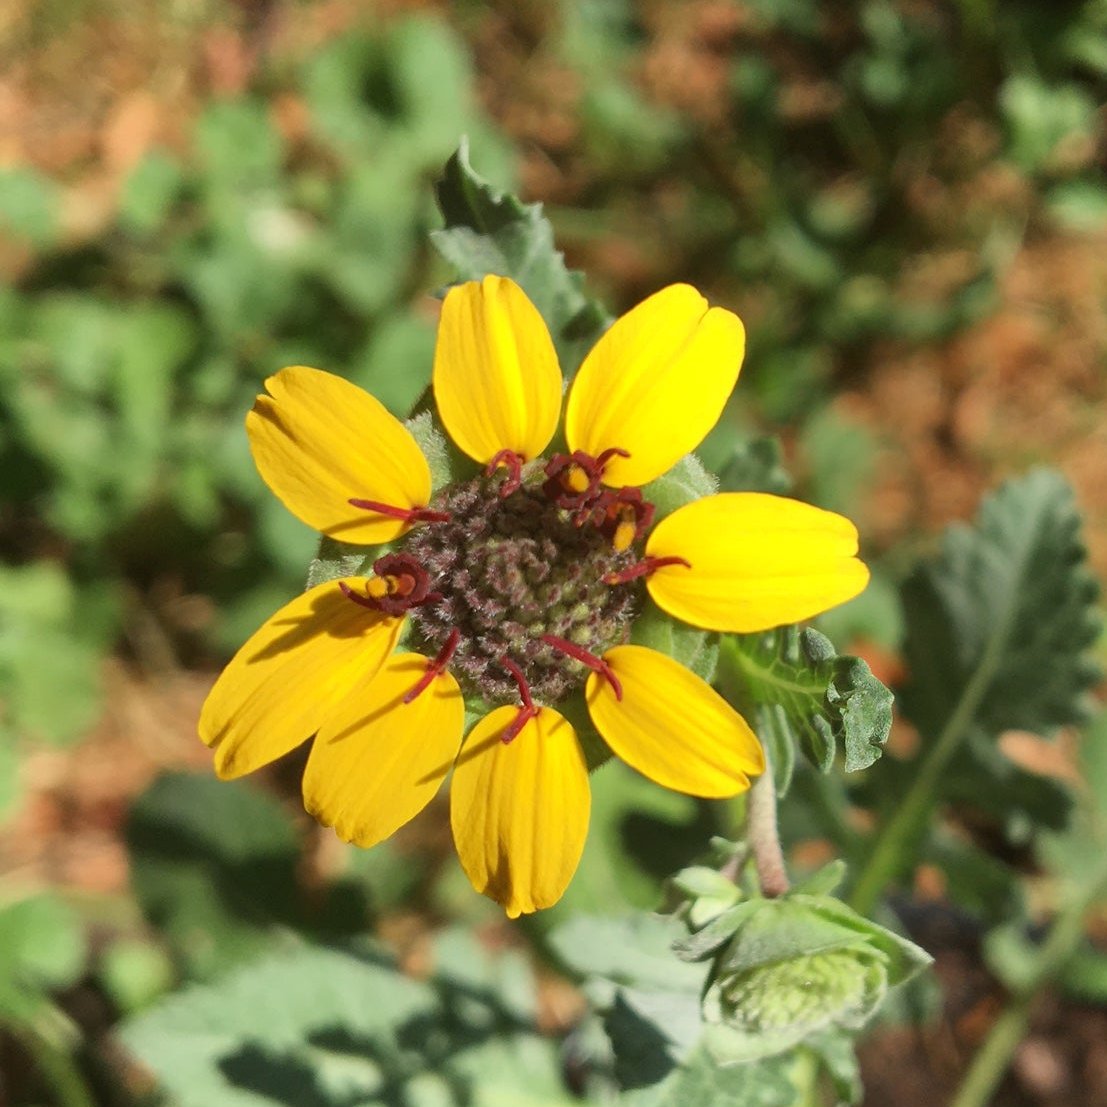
(906, 204)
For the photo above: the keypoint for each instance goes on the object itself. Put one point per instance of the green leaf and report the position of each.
(796, 690)
(1042, 117)
(693, 648)
(1079, 206)
(395, 365)
(134, 973)
(516, 1071)
(635, 950)
(150, 192)
(699, 1080)
(1004, 616)
(756, 465)
(1084, 977)
(29, 206)
(51, 637)
(840, 455)
(238, 147)
(489, 231)
(711, 938)
(333, 1027)
(9, 771)
(686, 481)
(338, 559)
(213, 864)
(42, 945)
(316, 1025)
(838, 1060)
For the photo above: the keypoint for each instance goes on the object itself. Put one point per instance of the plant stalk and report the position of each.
(992, 1059)
(55, 1065)
(895, 839)
(763, 835)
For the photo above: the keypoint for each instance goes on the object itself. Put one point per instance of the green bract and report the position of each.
(785, 969)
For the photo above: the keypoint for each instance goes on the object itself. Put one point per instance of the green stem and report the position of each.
(993, 1057)
(805, 1079)
(53, 1061)
(896, 838)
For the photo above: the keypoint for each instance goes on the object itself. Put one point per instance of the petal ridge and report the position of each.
(519, 811)
(377, 761)
(319, 441)
(280, 686)
(496, 380)
(671, 726)
(758, 562)
(655, 383)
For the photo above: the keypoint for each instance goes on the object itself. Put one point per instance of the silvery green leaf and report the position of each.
(796, 690)
(490, 231)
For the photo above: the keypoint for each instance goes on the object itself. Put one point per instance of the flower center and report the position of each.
(515, 574)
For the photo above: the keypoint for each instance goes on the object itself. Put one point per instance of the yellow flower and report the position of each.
(519, 585)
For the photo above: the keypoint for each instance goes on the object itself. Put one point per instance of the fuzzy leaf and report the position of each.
(796, 690)
(323, 1027)
(270, 1032)
(757, 465)
(42, 948)
(635, 950)
(214, 865)
(700, 1080)
(489, 231)
(1005, 610)
(335, 560)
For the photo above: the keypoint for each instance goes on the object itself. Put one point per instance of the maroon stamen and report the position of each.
(408, 514)
(399, 584)
(528, 710)
(435, 667)
(622, 517)
(579, 653)
(559, 472)
(643, 569)
(511, 461)
(608, 454)
(363, 601)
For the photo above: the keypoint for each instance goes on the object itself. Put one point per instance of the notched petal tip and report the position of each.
(519, 810)
(757, 562)
(655, 383)
(496, 379)
(319, 441)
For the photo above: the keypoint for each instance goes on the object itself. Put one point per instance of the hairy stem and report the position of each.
(763, 836)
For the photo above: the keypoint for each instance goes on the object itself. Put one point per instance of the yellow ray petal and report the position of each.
(319, 441)
(280, 687)
(377, 761)
(520, 811)
(671, 726)
(758, 561)
(496, 379)
(655, 384)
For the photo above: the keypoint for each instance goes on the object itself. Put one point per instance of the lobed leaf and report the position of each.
(1006, 613)
(796, 691)
(489, 231)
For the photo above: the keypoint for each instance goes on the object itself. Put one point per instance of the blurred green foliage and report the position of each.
(838, 152)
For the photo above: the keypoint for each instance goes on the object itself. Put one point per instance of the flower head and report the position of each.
(518, 588)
